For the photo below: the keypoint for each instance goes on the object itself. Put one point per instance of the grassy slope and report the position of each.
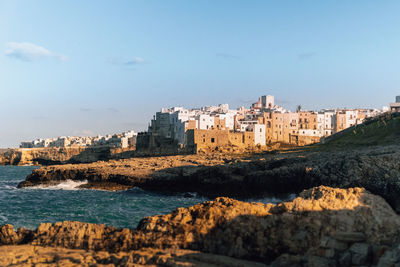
(384, 130)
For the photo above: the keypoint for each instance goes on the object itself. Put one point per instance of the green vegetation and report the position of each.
(383, 130)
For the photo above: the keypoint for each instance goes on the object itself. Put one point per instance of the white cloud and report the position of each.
(129, 62)
(30, 52)
(134, 61)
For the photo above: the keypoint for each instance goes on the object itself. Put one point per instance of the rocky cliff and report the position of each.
(41, 156)
(322, 227)
(377, 169)
(53, 155)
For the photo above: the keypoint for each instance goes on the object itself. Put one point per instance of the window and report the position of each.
(212, 140)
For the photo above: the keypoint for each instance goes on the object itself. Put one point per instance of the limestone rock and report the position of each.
(223, 226)
(390, 258)
(7, 235)
(377, 169)
(360, 253)
(80, 235)
(350, 236)
(259, 232)
(28, 255)
(329, 242)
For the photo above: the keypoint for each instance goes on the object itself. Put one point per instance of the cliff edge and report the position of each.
(323, 226)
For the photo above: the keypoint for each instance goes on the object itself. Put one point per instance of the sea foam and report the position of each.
(65, 185)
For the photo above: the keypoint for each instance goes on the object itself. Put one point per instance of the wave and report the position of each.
(8, 187)
(3, 219)
(66, 185)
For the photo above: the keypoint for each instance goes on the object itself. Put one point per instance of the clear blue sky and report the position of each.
(88, 67)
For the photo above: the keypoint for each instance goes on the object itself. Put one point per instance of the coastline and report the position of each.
(322, 225)
(213, 175)
(47, 156)
(344, 214)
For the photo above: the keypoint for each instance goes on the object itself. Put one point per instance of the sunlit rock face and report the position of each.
(321, 222)
(263, 231)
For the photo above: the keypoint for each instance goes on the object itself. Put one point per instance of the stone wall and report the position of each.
(209, 140)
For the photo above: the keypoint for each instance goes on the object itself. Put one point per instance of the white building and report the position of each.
(329, 121)
(351, 118)
(205, 122)
(309, 132)
(229, 120)
(259, 134)
(321, 122)
(267, 102)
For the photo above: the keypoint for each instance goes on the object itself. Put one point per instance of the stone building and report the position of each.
(395, 107)
(340, 121)
(171, 126)
(215, 139)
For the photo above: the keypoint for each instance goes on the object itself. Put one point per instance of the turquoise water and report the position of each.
(29, 207)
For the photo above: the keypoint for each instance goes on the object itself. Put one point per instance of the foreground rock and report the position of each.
(28, 255)
(323, 226)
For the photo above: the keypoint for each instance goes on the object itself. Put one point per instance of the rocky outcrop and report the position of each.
(40, 156)
(4, 160)
(376, 169)
(127, 173)
(257, 231)
(54, 155)
(28, 255)
(323, 225)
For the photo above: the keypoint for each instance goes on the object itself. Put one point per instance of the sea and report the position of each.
(28, 207)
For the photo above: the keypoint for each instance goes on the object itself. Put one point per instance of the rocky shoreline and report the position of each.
(59, 155)
(377, 169)
(323, 226)
(347, 218)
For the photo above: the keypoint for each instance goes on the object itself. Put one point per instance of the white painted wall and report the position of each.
(259, 134)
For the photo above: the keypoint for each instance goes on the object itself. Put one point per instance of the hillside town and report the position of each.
(264, 123)
(178, 129)
(120, 140)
